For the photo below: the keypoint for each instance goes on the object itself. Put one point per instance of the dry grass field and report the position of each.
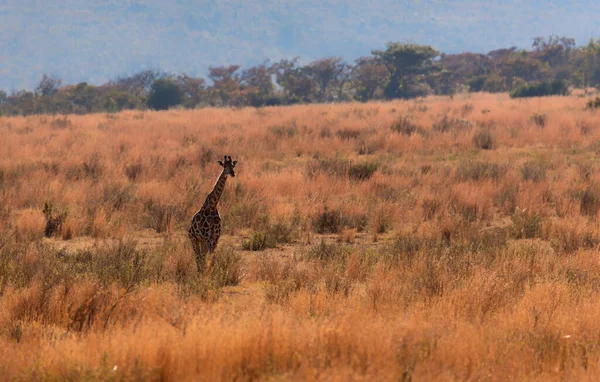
(434, 239)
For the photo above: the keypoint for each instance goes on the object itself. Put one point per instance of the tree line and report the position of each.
(550, 66)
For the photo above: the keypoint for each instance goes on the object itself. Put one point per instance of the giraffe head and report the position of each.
(228, 165)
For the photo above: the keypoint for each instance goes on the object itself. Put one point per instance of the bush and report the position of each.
(589, 202)
(403, 125)
(541, 89)
(93, 166)
(133, 170)
(506, 198)
(288, 281)
(164, 94)
(525, 225)
(534, 171)
(478, 170)
(327, 252)
(446, 124)
(348, 134)
(258, 241)
(160, 216)
(328, 221)
(405, 247)
(476, 83)
(539, 120)
(54, 220)
(484, 139)
(278, 233)
(227, 267)
(362, 171)
(593, 104)
(331, 167)
(122, 263)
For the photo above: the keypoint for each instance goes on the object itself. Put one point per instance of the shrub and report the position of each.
(328, 221)
(123, 263)
(362, 171)
(403, 125)
(327, 252)
(589, 202)
(541, 89)
(60, 123)
(593, 104)
(478, 170)
(484, 139)
(93, 166)
(54, 219)
(539, 120)
(258, 241)
(348, 134)
(405, 247)
(227, 267)
(160, 216)
(284, 131)
(534, 170)
(278, 233)
(289, 281)
(446, 124)
(133, 170)
(164, 94)
(466, 109)
(431, 206)
(506, 198)
(331, 167)
(476, 83)
(525, 225)
(117, 196)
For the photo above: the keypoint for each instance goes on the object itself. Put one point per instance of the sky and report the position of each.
(96, 41)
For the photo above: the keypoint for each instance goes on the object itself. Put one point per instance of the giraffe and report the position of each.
(205, 230)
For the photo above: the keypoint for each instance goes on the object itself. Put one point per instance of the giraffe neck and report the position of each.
(215, 195)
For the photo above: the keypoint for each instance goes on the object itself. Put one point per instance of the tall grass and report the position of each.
(405, 240)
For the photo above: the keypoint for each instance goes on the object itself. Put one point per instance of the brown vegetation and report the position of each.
(430, 239)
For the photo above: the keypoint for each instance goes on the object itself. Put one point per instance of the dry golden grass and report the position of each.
(382, 241)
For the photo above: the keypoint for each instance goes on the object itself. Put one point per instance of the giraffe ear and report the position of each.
(234, 162)
(221, 163)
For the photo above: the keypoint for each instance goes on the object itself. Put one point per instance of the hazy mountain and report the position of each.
(94, 41)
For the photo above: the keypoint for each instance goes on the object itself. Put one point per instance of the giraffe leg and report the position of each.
(212, 242)
(199, 252)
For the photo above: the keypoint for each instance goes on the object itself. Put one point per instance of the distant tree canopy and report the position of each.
(407, 65)
(164, 93)
(551, 66)
(540, 89)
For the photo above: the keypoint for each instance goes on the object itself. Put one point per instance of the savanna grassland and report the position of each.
(431, 239)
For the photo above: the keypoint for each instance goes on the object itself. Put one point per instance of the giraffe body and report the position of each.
(205, 229)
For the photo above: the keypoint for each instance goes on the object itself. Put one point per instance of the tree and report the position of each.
(164, 94)
(226, 84)
(585, 64)
(48, 85)
(139, 84)
(193, 90)
(406, 64)
(257, 85)
(522, 66)
(442, 82)
(295, 82)
(500, 54)
(553, 50)
(325, 72)
(465, 66)
(83, 98)
(367, 77)
(540, 89)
